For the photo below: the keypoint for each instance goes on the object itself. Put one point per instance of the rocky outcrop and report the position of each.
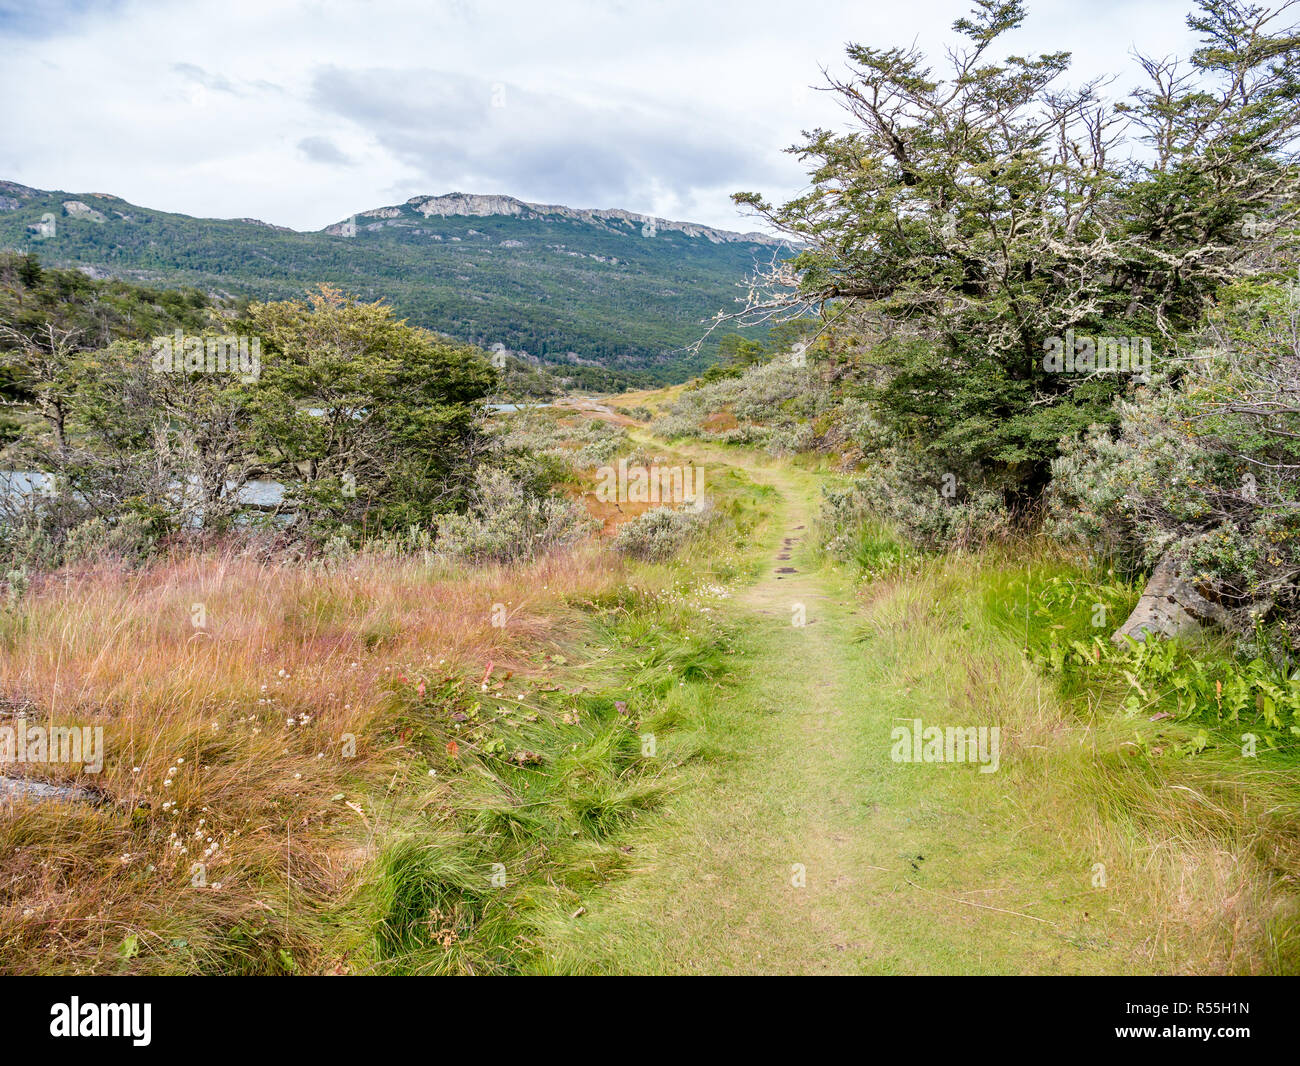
(467, 205)
(460, 204)
(259, 222)
(1170, 606)
(79, 209)
(16, 788)
(19, 192)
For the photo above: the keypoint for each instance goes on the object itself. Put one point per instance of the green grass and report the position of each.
(466, 885)
(1087, 852)
(686, 751)
(472, 884)
(1105, 843)
(1063, 613)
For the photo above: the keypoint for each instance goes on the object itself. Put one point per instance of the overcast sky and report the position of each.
(303, 113)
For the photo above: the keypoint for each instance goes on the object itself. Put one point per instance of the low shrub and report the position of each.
(932, 510)
(779, 406)
(660, 533)
(505, 523)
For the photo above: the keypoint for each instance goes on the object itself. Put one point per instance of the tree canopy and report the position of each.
(969, 221)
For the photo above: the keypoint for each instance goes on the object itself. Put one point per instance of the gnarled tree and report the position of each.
(977, 218)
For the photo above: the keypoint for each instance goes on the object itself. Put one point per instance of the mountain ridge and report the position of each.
(459, 204)
(481, 205)
(572, 286)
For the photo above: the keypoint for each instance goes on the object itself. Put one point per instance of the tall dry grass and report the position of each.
(227, 687)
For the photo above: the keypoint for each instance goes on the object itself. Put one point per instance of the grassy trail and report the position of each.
(480, 828)
(906, 868)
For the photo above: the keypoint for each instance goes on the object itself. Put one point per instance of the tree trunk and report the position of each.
(1169, 607)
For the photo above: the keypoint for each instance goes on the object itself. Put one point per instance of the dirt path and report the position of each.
(806, 849)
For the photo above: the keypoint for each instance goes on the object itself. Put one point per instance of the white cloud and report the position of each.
(304, 113)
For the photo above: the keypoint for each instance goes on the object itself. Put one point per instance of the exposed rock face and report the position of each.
(468, 205)
(1169, 607)
(78, 209)
(13, 189)
(472, 205)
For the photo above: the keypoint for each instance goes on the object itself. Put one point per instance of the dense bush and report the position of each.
(660, 533)
(980, 213)
(1205, 468)
(369, 424)
(507, 524)
(33, 545)
(372, 423)
(931, 509)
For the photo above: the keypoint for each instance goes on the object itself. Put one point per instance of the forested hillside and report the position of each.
(599, 290)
